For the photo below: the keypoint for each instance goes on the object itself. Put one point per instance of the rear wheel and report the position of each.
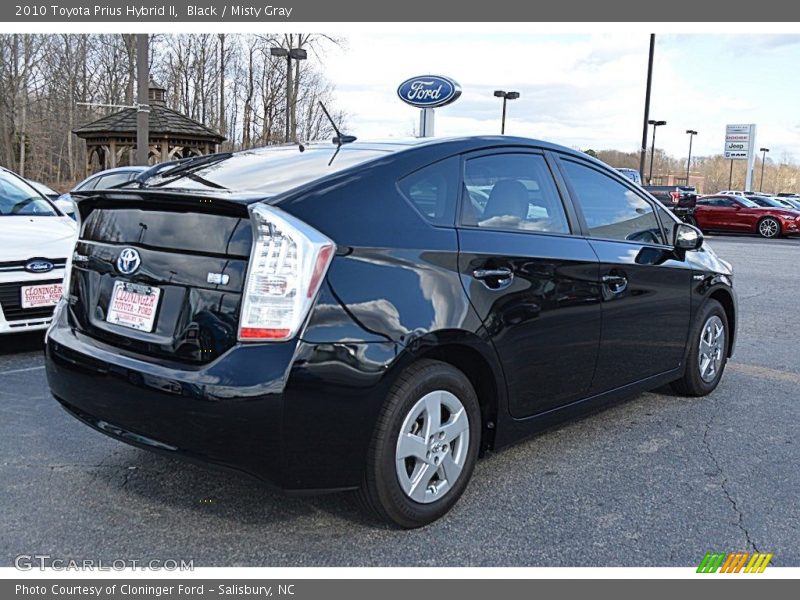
(690, 220)
(424, 446)
(708, 353)
(769, 227)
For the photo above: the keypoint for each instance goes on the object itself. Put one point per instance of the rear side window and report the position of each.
(512, 191)
(611, 209)
(433, 190)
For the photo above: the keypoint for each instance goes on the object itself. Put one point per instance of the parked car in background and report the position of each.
(680, 199)
(631, 174)
(35, 241)
(741, 193)
(793, 202)
(99, 181)
(46, 191)
(771, 202)
(479, 290)
(788, 195)
(739, 214)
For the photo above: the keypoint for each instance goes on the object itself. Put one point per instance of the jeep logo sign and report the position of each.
(429, 91)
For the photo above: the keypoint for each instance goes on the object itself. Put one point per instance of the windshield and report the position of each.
(746, 202)
(18, 198)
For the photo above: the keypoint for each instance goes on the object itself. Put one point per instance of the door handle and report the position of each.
(616, 283)
(501, 273)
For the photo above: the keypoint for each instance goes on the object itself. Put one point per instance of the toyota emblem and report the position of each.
(128, 261)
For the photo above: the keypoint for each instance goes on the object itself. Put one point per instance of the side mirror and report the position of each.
(687, 237)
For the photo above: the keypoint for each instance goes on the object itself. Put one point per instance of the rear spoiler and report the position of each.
(179, 201)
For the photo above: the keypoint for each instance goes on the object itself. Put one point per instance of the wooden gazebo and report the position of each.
(111, 140)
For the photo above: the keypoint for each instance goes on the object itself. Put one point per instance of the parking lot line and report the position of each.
(12, 371)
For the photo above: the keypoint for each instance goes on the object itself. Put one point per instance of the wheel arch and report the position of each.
(725, 298)
(475, 358)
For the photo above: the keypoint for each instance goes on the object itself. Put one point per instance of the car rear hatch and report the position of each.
(160, 274)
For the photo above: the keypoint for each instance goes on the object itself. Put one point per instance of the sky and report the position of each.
(580, 90)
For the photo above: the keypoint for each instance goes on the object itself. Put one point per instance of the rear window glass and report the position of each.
(277, 169)
(433, 190)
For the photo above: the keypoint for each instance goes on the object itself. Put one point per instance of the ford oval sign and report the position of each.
(429, 91)
(39, 266)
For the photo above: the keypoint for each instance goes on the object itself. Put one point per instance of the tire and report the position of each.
(769, 228)
(690, 220)
(702, 378)
(388, 488)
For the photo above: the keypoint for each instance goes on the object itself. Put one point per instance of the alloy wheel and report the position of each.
(712, 348)
(432, 446)
(768, 228)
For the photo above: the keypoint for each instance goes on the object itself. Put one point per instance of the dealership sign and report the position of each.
(429, 91)
(739, 141)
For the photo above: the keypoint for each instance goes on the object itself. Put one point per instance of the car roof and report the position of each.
(271, 171)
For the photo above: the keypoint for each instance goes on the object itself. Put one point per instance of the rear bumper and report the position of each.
(297, 416)
(228, 413)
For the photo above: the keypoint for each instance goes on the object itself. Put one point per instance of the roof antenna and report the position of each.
(340, 139)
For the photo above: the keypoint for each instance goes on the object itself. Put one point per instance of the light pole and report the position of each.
(763, 159)
(645, 121)
(289, 53)
(691, 133)
(505, 96)
(655, 125)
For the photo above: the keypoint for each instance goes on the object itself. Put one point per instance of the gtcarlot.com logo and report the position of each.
(734, 562)
(42, 562)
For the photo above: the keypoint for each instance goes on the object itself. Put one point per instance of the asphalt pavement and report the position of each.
(656, 481)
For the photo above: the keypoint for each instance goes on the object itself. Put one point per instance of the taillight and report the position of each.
(288, 262)
(676, 197)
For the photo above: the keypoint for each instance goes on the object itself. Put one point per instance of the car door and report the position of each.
(532, 282)
(645, 285)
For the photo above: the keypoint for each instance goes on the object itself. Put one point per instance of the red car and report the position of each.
(735, 213)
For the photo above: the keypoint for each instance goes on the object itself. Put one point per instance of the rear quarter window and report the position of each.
(433, 190)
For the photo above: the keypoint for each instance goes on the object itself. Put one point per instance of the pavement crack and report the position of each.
(724, 483)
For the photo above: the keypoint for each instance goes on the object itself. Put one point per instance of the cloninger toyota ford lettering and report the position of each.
(374, 316)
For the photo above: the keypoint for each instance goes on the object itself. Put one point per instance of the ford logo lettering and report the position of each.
(39, 266)
(128, 261)
(429, 91)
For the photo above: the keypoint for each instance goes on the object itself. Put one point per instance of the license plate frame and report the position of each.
(134, 306)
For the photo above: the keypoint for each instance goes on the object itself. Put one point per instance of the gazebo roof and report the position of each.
(163, 122)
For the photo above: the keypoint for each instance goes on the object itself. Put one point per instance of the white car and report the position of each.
(35, 241)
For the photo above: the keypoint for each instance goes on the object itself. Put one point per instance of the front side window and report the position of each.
(18, 198)
(612, 210)
(668, 223)
(512, 191)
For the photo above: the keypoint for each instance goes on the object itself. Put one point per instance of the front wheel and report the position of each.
(769, 228)
(424, 446)
(708, 353)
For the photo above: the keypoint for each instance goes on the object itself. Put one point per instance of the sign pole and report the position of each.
(142, 106)
(730, 177)
(426, 122)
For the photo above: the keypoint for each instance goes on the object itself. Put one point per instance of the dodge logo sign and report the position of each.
(128, 261)
(39, 266)
(429, 91)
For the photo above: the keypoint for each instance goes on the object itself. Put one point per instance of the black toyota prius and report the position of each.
(375, 316)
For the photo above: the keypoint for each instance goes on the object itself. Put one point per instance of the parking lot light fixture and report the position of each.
(763, 160)
(290, 54)
(655, 125)
(505, 96)
(691, 133)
